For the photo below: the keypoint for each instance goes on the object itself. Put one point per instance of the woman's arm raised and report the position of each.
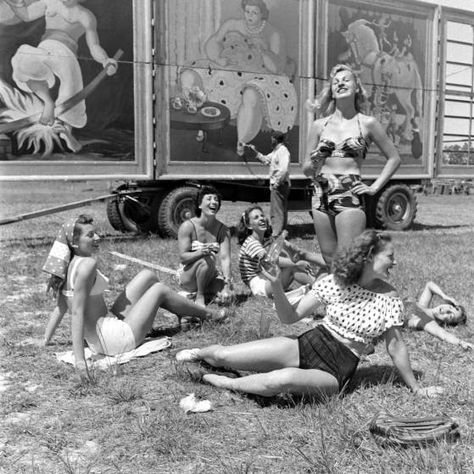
(429, 291)
(285, 311)
(311, 142)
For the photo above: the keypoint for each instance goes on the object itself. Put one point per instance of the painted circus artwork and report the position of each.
(388, 49)
(66, 80)
(232, 76)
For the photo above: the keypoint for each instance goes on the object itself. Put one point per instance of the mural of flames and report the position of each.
(17, 105)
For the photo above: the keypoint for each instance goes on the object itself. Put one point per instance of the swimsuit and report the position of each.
(196, 244)
(114, 335)
(333, 192)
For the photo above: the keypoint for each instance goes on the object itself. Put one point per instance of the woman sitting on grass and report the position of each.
(76, 279)
(254, 236)
(360, 306)
(200, 239)
(450, 313)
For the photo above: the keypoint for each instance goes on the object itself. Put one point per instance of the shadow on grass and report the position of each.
(376, 375)
(419, 227)
(366, 376)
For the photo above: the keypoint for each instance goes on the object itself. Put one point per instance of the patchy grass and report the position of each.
(129, 420)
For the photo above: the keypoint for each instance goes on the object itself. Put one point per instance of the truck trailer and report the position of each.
(159, 96)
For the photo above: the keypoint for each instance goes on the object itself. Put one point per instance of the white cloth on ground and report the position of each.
(103, 362)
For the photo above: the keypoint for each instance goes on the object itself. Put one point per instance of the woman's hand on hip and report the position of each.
(363, 188)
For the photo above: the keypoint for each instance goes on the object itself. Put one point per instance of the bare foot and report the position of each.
(200, 300)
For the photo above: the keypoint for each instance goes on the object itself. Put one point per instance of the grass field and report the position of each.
(129, 420)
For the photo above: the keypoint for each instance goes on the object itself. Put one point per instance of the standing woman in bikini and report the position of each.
(200, 240)
(337, 145)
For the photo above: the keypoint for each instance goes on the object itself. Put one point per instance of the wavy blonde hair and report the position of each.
(325, 104)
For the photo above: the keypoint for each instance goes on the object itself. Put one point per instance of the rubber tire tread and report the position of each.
(380, 215)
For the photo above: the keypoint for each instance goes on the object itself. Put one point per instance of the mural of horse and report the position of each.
(384, 74)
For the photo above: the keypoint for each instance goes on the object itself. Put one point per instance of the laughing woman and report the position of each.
(337, 146)
(254, 236)
(200, 240)
(421, 316)
(360, 306)
(76, 278)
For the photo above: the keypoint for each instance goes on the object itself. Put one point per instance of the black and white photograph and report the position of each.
(236, 236)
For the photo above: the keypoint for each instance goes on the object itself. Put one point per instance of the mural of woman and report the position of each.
(35, 69)
(247, 70)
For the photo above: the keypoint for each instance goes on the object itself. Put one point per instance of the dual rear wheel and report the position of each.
(160, 213)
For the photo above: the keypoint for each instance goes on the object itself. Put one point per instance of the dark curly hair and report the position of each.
(348, 263)
(204, 191)
(82, 220)
(257, 3)
(461, 319)
(56, 283)
(242, 231)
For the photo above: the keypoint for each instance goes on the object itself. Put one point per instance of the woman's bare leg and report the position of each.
(141, 315)
(287, 380)
(199, 278)
(133, 291)
(325, 229)
(349, 225)
(260, 356)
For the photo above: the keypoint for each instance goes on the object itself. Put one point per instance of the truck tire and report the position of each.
(175, 208)
(117, 215)
(395, 208)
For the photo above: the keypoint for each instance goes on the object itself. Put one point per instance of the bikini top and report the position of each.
(100, 285)
(351, 147)
(198, 245)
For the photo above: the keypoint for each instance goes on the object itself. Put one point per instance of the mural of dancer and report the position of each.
(247, 69)
(36, 70)
(386, 52)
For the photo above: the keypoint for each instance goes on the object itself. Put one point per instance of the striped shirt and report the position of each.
(249, 258)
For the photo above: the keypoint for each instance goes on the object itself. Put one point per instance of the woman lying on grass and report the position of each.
(254, 236)
(420, 316)
(360, 306)
(76, 279)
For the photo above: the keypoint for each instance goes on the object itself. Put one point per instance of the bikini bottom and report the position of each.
(332, 193)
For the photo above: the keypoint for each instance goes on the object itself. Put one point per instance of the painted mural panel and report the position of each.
(66, 80)
(388, 48)
(232, 76)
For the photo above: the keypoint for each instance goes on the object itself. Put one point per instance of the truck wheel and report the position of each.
(176, 207)
(133, 214)
(395, 208)
(117, 213)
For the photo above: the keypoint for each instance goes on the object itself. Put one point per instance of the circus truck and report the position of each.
(160, 96)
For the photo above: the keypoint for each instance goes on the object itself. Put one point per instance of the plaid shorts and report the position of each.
(319, 349)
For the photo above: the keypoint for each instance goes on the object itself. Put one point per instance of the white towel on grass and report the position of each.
(100, 361)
